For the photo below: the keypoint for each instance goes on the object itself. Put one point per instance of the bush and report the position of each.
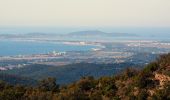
(107, 86)
(86, 83)
(48, 84)
(151, 67)
(163, 94)
(142, 95)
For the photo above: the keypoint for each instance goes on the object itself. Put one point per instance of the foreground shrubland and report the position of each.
(150, 83)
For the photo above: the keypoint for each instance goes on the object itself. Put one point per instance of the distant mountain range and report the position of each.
(92, 33)
(100, 33)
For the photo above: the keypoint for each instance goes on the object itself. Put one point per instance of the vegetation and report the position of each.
(67, 73)
(131, 84)
(15, 79)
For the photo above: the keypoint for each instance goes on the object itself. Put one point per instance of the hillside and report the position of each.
(68, 73)
(14, 79)
(150, 83)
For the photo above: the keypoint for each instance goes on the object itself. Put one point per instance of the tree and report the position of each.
(48, 84)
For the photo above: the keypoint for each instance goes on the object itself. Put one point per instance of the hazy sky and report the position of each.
(138, 13)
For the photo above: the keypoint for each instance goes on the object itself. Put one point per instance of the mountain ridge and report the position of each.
(99, 33)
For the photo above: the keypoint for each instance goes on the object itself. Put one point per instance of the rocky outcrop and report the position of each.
(162, 79)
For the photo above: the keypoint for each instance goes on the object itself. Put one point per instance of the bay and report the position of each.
(13, 48)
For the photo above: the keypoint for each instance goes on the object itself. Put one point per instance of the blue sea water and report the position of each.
(13, 48)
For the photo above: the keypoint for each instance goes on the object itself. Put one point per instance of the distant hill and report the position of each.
(91, 33)
(100, 33)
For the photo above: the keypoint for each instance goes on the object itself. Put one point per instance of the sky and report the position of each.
(88, 13)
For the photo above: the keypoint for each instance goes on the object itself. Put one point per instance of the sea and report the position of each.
(14, 48)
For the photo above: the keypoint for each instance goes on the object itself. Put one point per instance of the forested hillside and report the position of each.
(150, 83)
(66, 74)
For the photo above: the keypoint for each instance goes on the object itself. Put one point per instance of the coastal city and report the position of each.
(104, 53)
